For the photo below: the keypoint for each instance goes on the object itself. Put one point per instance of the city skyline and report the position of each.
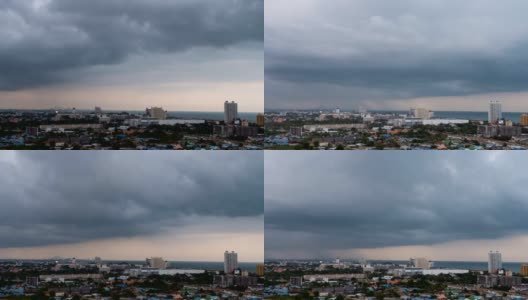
(127, 205)
(391, 56)
(128, 55)
(399, 205)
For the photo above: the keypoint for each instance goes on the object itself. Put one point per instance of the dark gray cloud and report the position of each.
(44, 40)
(47, 198)
(368, 52)
(318, 203)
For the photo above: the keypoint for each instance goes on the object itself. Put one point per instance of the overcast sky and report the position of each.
(187, 55)
(383, 54)
(374, 205)
(124, 205)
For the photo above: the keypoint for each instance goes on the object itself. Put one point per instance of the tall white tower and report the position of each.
(230, 261)
(495, 112)
(494, 262)
(230, 112)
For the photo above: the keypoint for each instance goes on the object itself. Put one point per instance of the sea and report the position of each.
(200, 265)
(464, 265)
(466, 115)
(217, 116)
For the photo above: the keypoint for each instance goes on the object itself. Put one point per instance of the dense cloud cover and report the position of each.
(48, 198)
(43, 41)
(367, 53)
(317, 204)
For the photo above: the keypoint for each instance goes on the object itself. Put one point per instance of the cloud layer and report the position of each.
(48, 41)
(318, 204)
(49, 198)
(370, 53)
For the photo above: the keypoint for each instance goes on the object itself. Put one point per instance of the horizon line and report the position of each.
(134, 260)
(384, 110)
(117, 110)
(392, 260)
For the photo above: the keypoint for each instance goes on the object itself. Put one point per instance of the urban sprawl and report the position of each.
(154, 279)
(416, 130)
(416, 280)
(152, 130)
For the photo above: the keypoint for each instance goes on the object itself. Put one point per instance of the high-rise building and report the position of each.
(98, 260)
(157, 263)
(98, 110)
(524, 120)
(421, 262)
(494, 112)
(156, 113)
(494, 262)
(230, 112)
(260, 270)
(524, 269)
(230, 261)
(260, 120)
(421, 113)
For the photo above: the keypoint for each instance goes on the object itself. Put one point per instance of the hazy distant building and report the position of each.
(32, 131)
(494, 112)
(260, 120)
(156, 113)
(232, 280)
(296, 281)
(156, 263)
(230, 112)
(420, 262)
(98, 111)
(98, 260)
(494, 262)
(498, 130)
(260, 270)
(235, 130)
(32, 281)
(524, 269)
(421, 113)
(490, 281)
(296, 131)
(230, 261)
(63, 277)
(524, 120)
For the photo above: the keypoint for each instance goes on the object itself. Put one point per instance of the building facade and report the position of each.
(494, 112)
(230, 112)
(230, 261)
(156, 263)
(156, 113)
(494, 262)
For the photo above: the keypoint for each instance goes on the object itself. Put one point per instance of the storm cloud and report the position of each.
(50, 199)
(376, 53)
(319, 204)
(50, 41)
